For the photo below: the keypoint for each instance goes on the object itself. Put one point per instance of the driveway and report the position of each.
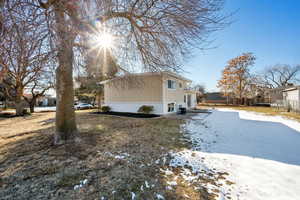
(258, 155)
(246, 134)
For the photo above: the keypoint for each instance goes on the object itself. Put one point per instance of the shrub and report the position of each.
(105, 108)
(289, 107)
(25, 112)
(146, 109)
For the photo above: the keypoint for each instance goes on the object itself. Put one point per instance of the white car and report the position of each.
(83, 106)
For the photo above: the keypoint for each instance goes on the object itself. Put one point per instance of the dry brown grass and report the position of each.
(32, 168)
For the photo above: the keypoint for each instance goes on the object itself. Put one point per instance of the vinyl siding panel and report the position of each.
(141, 89)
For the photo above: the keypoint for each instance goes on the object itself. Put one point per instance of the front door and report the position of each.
(189, 101)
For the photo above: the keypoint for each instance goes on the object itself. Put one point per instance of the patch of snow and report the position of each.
(167, 171)
(132, 195)
(257, 155)
(120, 156)
(172, 183)
(108, 154)
(76, 187)
(142, 165)
(169, 188)
(147, 184)
(81, 184)
(159, 196)
(164, 160)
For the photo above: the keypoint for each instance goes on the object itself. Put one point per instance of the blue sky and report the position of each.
(268, 28)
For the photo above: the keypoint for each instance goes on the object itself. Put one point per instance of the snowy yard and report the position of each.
(241, 155)
(223, 155)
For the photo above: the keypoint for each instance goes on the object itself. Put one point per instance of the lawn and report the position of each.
(117, 158)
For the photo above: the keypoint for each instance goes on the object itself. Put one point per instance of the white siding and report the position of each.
(292, 95)
(292, 99)
(134, 106)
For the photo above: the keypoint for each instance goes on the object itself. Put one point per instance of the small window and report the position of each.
(180, 85)
(171, 84)
(171, 107)
(184, 99)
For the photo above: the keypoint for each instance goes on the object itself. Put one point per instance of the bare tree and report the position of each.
(38, 88)
(280, 75)
(24, 50)
(1, 16)
(149, 35)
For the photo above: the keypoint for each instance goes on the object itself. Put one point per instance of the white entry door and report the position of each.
(189, 100)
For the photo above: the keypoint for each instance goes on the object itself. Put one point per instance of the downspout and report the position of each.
(163, 94)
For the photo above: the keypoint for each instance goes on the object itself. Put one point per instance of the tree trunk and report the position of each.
(18, 101)
(65, 115)
(5, 104)
(99, 102)
(32, 104)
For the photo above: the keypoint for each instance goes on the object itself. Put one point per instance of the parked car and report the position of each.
(83, 106)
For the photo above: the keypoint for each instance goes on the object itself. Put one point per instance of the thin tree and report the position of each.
(227, 84)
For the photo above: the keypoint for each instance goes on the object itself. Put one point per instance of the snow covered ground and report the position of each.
(257, 155)
(37, 109)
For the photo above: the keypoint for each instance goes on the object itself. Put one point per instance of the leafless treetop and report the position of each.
(280, 75)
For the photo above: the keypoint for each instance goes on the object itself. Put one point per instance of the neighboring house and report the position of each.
(276, 94)
(165, 91)
(291, 98)
(46, 100)
(214, 97)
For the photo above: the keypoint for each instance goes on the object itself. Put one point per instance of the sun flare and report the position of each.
(105, 40)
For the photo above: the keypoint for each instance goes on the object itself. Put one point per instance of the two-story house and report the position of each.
(165, 91)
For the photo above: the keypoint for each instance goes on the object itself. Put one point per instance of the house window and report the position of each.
(180, 85)
(184, 99)
(171, 84)
(171, 107)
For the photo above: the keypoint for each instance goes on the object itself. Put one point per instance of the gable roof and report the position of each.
(291, 89)
(148, 74)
